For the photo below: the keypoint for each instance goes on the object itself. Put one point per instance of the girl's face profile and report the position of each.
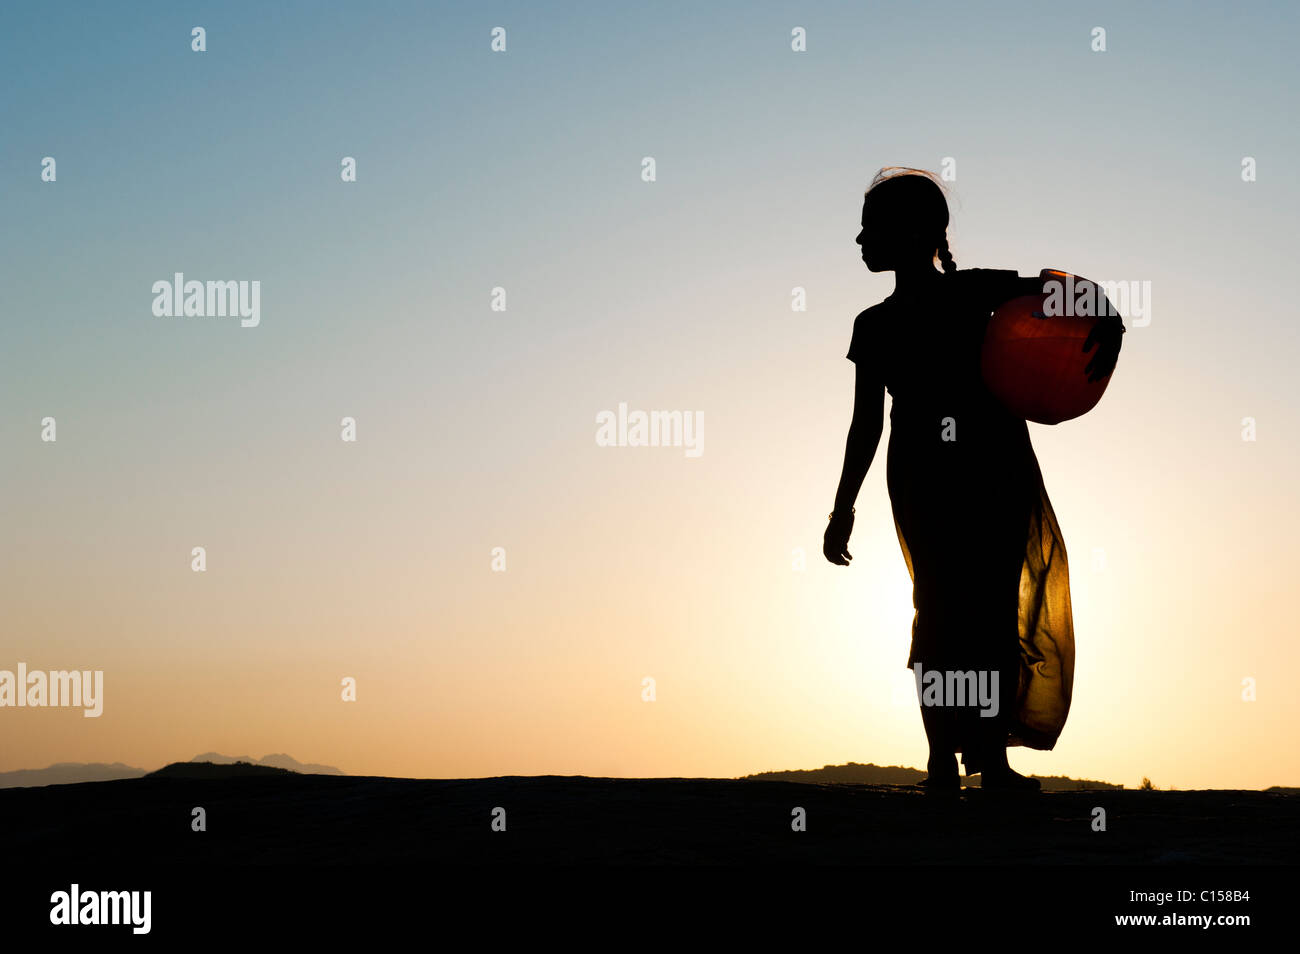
(873, 240)
(879, 239)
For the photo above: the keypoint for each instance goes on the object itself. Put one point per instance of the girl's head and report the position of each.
(905, 221)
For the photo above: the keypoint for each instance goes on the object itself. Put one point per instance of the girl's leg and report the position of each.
(1002, 638)
(995, 771)
(942, 764)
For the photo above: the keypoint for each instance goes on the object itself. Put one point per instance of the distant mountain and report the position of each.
(857, 774)
(1060, 783)
(852, 772)
(68, 773)
(196, 769)
(276, 760)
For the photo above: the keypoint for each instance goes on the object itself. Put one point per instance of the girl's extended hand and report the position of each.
(836, 540)
(1107, 334)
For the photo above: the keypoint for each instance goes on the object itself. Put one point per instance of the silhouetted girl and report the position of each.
(990, 580)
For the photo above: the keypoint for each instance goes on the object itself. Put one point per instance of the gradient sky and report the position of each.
(476, 428)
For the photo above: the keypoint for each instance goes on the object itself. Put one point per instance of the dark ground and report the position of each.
(557, 820)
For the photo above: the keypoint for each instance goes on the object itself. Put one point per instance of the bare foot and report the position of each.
(943, 775)
(1007, 779)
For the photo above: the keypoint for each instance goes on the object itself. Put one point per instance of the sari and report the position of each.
(990, 575)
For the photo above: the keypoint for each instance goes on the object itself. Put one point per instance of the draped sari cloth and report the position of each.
(990, 578)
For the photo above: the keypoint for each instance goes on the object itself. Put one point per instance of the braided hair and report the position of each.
(945, 257)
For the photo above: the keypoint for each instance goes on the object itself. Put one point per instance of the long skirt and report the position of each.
(991, 583)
